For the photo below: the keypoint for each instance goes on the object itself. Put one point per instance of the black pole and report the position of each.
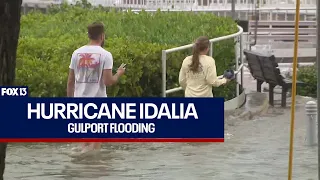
(318, 79)
(10, 13)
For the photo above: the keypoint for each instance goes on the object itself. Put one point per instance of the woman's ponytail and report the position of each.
(194, 66)
(201, 44)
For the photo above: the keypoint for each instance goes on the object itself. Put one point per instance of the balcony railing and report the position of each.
(185, 4)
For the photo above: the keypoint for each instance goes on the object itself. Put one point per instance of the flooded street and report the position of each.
(257, 149)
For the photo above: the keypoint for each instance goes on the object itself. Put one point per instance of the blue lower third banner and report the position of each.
(26, 119)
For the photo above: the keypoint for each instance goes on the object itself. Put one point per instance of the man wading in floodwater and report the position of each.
(91, 71)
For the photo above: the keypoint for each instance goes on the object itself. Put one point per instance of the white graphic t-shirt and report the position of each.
(88, 63)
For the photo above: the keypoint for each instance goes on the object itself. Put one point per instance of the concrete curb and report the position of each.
(236, 102)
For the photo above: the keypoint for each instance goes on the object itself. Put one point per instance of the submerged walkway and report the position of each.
(263, 145)
(256, 148)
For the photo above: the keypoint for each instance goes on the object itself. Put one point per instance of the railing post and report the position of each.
(164, 73)
(311, 131)
(241, 58)
(237, 63)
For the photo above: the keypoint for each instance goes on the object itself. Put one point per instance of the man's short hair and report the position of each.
(95, 30)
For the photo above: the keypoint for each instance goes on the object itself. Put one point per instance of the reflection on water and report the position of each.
(253, 150)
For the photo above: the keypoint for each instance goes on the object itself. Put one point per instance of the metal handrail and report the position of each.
(221, 9)
(165, 52)
(264, 12)
(211, 41)
(180, 88)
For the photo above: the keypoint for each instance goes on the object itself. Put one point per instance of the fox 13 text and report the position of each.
(114, 128)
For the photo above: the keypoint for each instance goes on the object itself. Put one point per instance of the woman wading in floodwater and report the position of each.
(198, 72)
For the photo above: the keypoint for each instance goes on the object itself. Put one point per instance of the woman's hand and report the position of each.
(227, 80)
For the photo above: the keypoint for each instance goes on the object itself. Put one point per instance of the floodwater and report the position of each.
(255, 149)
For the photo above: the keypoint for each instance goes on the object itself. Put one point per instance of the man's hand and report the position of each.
(121, 70)
(110, 79)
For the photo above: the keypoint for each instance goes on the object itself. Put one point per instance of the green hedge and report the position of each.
(48, 40)
(308, 75)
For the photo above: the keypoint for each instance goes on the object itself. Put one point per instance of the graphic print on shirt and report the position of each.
(196, 75)
(88, 68)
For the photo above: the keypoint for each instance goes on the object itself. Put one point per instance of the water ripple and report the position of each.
(256, 149)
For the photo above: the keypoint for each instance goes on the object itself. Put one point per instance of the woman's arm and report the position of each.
(212, 77)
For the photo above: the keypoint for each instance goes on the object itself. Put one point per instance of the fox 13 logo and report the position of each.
(14, 91)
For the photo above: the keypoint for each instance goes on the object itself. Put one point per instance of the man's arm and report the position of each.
(71, 77)
(108, 78)
(70, 85)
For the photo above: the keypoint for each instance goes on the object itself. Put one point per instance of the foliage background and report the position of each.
(308, 75)
(48, 40)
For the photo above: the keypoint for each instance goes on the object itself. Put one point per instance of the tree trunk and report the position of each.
(10, 13)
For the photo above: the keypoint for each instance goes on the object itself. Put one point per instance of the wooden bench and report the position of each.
(264, 68)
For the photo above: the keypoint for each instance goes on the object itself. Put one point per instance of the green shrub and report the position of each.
(308, 75)
(48, 40)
